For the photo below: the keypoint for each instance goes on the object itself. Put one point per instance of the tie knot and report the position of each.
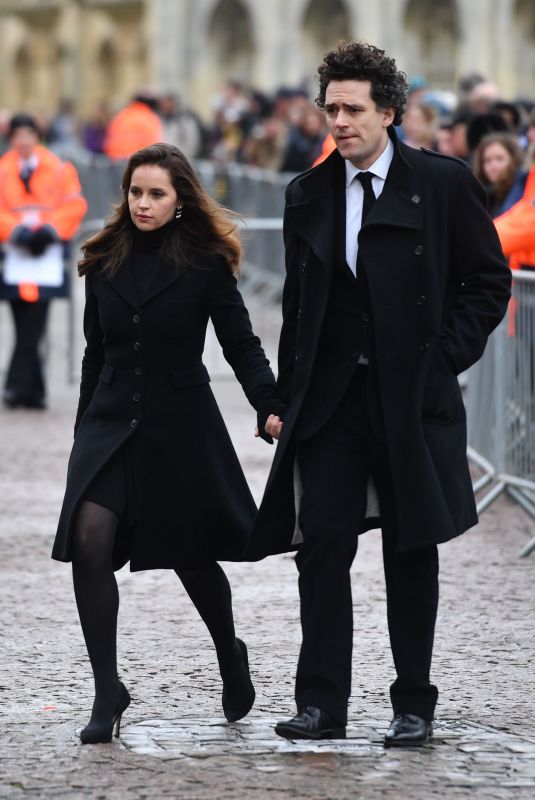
(365, 178)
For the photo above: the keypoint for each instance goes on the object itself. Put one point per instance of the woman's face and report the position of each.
(152, 200)
(495, 161)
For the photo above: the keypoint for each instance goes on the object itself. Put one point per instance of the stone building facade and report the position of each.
(95, 50)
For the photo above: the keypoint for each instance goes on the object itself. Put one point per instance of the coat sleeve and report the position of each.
(66, 217)
(93, 359)
(481, 279)
(241, 348)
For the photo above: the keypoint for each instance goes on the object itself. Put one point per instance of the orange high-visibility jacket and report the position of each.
(326, 149)
(516, 228)
(134, 127)
(55, 196)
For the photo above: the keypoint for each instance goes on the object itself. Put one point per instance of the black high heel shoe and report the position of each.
(97, 732)
(238, 699)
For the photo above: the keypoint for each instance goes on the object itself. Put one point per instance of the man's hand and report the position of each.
(273, 426)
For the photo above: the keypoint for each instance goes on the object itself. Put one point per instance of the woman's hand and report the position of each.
(273, 426)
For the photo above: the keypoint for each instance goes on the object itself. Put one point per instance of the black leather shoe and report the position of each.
(408, 730)
(311, 723)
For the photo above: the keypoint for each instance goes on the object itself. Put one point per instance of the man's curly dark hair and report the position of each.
(357, 61)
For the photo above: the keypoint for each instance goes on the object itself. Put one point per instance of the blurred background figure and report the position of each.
(498, 165)
(181, 126)
(420, 125)
(134, 127)
(95, 129)
(40, 204)
(62, 134)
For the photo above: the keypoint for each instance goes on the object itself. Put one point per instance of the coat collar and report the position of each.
(123, 283)
(313, 218)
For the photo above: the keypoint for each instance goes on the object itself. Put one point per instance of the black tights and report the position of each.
(97, 597)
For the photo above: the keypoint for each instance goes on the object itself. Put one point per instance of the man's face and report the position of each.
(24, 141)
(356, 123)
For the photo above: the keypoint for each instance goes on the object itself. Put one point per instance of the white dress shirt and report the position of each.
(355, 198)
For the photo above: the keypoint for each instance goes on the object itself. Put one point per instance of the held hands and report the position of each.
(272, 428)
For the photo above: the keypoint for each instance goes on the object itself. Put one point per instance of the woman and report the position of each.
(153, 477)
(498, 165)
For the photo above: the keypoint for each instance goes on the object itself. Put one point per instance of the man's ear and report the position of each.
(388, 116)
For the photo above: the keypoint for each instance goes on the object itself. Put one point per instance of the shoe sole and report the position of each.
(418, 743)
(328, 733)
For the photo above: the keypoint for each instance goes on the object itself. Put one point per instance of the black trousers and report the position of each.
(24, 380)
(335, 464)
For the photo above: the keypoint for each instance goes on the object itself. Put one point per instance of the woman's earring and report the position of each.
(178, 212)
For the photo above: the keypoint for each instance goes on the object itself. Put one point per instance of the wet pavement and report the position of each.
(175, 742)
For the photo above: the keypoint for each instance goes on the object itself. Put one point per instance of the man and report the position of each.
(40, 204)
(395, 278)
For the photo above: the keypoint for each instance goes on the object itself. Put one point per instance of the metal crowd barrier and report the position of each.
(501, 406)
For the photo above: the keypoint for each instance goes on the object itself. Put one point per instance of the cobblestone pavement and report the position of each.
(175, 742)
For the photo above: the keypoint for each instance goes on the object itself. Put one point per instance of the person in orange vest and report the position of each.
(40, 204)
(516, 228)
(327, 148)
(133, 128)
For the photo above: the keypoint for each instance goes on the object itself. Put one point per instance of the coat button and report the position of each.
(418, 250)
(298, 313)
(297, 358)
(365, 317)
(136, 397)
(303, 266)
(136, 345)
(136, 318)
(421, 300)
(133, 423)
(138, 371)
(416, 198)
(424, 346)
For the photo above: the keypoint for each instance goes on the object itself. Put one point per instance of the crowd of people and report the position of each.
(283, 132)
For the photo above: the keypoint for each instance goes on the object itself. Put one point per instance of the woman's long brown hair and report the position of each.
(497, 192)
(205, 226)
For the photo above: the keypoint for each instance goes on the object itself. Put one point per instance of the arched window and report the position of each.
(108, 67)
(325, 23)
(434, 27)
(524, 47)
(23, 74)
(231, 40)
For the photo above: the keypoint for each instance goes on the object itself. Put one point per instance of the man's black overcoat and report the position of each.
(144, 386)
(438, 285)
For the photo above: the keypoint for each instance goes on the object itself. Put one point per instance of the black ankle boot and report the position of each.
(101, 725)
(238, 690)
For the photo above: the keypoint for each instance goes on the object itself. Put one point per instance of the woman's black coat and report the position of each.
(143, 382)
(438, 285)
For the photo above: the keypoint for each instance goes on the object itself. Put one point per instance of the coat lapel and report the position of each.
(400, 202)
(162, 277)
(313, 219)
(123, 283)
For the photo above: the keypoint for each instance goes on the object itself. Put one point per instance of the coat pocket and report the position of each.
(442, 396)
(194, 376)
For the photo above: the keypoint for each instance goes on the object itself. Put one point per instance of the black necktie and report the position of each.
(367, 202)
(369, 198)
(25, 175)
